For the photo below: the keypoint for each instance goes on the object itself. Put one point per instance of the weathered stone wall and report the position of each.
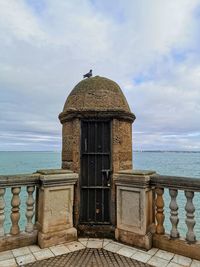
(71, 145)
(67, 145)
(121, 145)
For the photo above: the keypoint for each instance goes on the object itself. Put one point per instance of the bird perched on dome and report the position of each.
(88, 75)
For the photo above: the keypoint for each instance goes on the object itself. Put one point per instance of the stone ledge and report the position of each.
(135, 178)
(178, 246)
(53, 171)
(105, 114)
(133, 239)
(19, 180)
(59, 237)
(178, 182)
(57, 177)
(15, 241)
(137, 172)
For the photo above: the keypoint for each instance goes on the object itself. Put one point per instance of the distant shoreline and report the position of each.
(151, 151)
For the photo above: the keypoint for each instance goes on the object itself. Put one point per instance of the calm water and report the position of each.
(171, 163)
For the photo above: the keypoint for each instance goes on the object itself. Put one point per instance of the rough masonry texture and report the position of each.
(97, 98)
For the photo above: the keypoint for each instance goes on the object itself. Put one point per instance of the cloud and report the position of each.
(149, 48)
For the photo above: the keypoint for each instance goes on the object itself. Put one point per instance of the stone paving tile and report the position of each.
(127, 252)
(164, 255)
(74, 246)
(152, 251)
(34, 248)
(195, 263)
(184, 261)
(106, 241)
(21, 260)
(83, 241)
(95, 239)
(154, 256)
(173, 264)
(8, 263)
(95, 244)
(158, 262)
(6, 255)
(113, 247)
(141, 256)
(117, 243)
(43, 254)
(21, 251)
(59, 250)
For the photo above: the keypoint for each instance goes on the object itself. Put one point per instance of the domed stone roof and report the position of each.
(96, 96)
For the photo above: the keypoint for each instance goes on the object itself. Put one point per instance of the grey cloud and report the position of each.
(43, 55)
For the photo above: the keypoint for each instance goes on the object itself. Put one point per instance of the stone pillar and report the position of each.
(135, 211)
(55, 207)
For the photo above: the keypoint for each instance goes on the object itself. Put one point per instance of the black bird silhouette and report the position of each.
(88, 75)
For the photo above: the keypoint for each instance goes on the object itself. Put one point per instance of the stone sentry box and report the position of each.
(96, 99)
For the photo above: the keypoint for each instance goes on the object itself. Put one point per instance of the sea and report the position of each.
(177, 163)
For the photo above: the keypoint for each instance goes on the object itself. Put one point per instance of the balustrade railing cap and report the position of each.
(19, 179)
(53, 171)
(57, 177)
(138, 172)
(136, 178)
(176, 182)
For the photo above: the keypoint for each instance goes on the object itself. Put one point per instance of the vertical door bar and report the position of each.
(88, 173)
(103, 149)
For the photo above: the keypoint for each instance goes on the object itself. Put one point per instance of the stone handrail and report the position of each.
(177, 182)
(19, 179)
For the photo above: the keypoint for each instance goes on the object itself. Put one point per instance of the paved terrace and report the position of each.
(92, 252)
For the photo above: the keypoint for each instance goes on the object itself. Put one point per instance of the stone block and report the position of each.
(134, 239)
(57, 237)
(55, 208)
(134, 208)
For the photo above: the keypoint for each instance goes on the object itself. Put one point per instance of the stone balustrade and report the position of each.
(15, 184)
(46, 200)
(38, 197)
(187, 245)
(141, 211)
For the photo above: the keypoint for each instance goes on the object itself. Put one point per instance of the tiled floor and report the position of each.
(89, 257)
(155, 257)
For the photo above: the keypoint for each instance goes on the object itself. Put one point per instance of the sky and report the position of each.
(149, 47)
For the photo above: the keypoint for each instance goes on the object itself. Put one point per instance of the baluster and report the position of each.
(30, 209)
(2, 206)
(160, 211)
(15, 215)
(174, 213)
(190, 209)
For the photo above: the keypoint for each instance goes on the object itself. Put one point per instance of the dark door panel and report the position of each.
(95, 172)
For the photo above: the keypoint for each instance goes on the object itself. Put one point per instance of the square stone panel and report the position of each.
(129, 213)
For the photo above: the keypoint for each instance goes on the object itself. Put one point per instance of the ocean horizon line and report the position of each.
(149, 150)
